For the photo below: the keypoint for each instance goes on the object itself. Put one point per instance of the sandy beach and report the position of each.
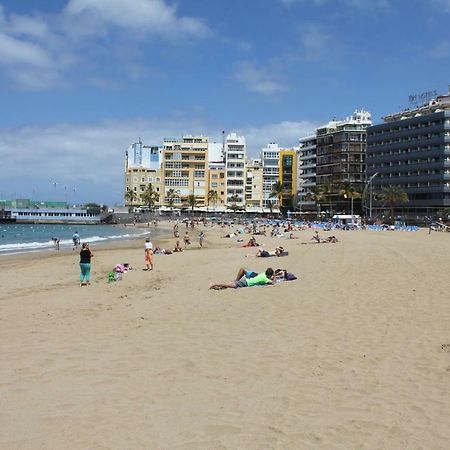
(354, 354)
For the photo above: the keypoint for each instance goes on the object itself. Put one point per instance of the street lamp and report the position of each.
(369, 184)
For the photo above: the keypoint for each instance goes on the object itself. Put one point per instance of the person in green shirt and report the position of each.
(247, 278)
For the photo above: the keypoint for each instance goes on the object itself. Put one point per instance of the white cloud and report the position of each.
(89, 158)
(285, 134)
(442, 5)
(14, 51)
(151, 16)
(56, 42)
(258, 79)
(440, 51)
(319, 44)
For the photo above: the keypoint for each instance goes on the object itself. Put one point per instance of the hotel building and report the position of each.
(411, 150)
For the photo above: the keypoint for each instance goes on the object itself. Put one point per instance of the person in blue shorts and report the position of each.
(247, 278)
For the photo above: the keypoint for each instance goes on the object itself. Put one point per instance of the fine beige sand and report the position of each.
(355, 354)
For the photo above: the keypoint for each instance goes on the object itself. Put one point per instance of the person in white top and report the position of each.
(148, 249)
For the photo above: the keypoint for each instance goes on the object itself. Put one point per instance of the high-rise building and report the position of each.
(270, 157)
(306, 172)
(185, 165)
(253, 184)
(288, 178)
(411, 150)
(234, 157)
(341, 156)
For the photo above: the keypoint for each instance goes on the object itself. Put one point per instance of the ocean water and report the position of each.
(19, 238)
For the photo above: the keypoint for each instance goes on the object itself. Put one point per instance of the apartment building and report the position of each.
(341, 151)
(217, 183)
(306, 172)
(253, 185)
(288, 178)
(234, 157)
(270, 157)
(142, 168)
(184, 167)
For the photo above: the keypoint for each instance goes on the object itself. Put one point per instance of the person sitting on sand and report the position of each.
(316, 237)
(279, 251)
(177, 247)
(251, 243)
(243, 279)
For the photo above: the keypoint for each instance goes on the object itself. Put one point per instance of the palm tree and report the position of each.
(192, 201)
(131, 196)
(327, 189)
(212, 197)
(348, 191)
(317, 195)
(270, 205)
(391, 195)
(150, 196)
(234, 199)
(171, 195)
(277, 191)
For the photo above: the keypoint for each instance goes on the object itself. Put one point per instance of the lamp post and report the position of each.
(369, 185)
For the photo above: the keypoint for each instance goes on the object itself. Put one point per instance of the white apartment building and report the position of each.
(270, 157)
(234, 157)
(306, 171)
(253, 185)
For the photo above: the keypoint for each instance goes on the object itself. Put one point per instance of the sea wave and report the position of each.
(22, 247)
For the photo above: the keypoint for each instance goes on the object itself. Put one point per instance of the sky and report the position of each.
(80, 80)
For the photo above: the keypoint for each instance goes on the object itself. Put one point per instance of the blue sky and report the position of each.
(82, 79)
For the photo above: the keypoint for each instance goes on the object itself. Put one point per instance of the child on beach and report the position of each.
(187, 239)
(201, 237)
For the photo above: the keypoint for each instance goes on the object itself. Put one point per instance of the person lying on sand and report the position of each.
(247, 278)
(279, 251)
(318, 240)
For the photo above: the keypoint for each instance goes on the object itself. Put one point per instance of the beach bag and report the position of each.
(111, 277)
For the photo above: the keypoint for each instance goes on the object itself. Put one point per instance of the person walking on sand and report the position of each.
(201, 237)
(187, 239)
(85, 264)
(148, 249)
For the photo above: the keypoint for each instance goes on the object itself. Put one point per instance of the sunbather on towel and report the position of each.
(246, 278)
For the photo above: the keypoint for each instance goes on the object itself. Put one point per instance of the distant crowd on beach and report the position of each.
(183, 230)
